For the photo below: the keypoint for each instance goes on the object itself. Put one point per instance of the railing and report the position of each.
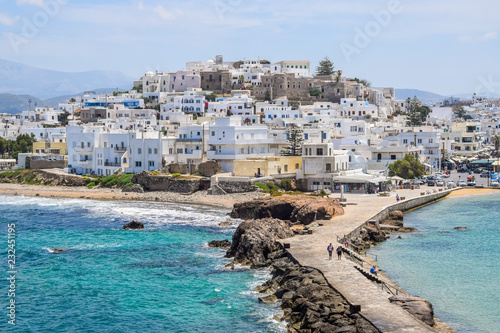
(120, 149)
(190, 140)
(112, 164)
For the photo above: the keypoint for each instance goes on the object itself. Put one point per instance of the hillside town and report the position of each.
(257, 119)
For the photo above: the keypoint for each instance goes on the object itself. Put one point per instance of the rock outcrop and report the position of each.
(372, 233)
(169, 183)
(136, 188)
(395, 218)
(134, 225)
(301, 209)
(223, 244)
(309, 303)
(254, 240)
(420, 308)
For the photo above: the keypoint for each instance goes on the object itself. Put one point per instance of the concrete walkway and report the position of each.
(310, 250)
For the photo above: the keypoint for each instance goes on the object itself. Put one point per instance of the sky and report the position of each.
(447, 46)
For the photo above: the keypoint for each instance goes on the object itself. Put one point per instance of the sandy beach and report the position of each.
(200, 197)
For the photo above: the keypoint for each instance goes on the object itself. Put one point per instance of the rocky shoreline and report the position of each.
(309, 302)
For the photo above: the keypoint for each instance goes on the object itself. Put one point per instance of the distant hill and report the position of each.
(424, 96)
(10, 103)
(17, 78)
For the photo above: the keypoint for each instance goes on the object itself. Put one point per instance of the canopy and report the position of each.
(496, 163)
(397, 178)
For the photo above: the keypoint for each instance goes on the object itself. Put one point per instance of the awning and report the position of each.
(427, 165)
(397, 178)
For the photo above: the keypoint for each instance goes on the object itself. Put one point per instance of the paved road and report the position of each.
(310, 250)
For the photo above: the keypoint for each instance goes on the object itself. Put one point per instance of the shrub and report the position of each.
(91, 185)
(323, 194)
(272, 186)
(286, 184)
(314, 92)
(176, 175)
(263, 187)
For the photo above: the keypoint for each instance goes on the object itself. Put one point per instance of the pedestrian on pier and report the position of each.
(330, 251)
(339, 252)
(397, 198)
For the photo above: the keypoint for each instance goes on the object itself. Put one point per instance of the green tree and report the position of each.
(325, 67)
(211, 97)
(267, 96)
(496, 140)
(364, 82)
(63, 118)
(295, 139)
(338, 76)
(72, 100)
(408, 168)
(417, 113)
(314, 92)
(459, 111)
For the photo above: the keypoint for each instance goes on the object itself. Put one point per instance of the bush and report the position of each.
(323, 194)
(176, 175)
(91, 185)
(117, 180)
(263, 187)
(314, 92)
(286, 184)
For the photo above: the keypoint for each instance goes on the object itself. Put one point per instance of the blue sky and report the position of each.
(442, 46)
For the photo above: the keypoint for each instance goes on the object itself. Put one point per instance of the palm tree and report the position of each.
(496, 140)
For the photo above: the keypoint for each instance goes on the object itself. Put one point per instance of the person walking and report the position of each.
(330, 251)
(339, 252)
(397, 198)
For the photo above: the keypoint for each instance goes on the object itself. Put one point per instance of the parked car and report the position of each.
(462, 183)
(478, 170)
(446, 175)
(451, 184)
(471, 183)
(439, 182)
(431, 182)
(495, 185)
(485, 174)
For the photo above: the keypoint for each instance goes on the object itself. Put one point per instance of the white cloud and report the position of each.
(7, 20)
(38, 3)
(479, 38)
(167, 15)
(140, 6)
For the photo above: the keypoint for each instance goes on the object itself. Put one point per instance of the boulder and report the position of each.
(420, 308)
(136, 188)
(407, 229)
(255, 240)
(373, 233)
(56, 250)
(225, 224)
(268, 299)
(396, 215)
(134, 225)
(223, 244)
(299, 208)
(461, 228)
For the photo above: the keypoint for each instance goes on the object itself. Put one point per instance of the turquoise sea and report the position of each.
(456, 270)
(161, 279)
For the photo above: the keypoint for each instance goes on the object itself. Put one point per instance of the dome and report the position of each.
(150, 73)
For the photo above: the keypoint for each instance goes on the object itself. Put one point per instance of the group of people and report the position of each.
(330, 249)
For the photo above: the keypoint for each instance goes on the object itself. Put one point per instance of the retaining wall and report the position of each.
(403, 206)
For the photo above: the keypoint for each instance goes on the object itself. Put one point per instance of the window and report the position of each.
(179, 150)
(151, 163)
(138, 164)
(170, 151)
(213, 133)
(296, 165)
(405, 141)
(328, 167)
(319, 151)
(393, 157)
(431, 141)
(150, 151)
(139, 151)
(156, 151)
(419, 140)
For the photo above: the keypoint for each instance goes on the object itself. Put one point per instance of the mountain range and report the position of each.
(17, 78)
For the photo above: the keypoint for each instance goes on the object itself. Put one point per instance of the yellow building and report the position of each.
(266, 166)
(56, 148)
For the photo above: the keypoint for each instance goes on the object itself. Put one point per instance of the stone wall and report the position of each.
(45, 164)
(209, 168)
(403, 206)
(170, 184)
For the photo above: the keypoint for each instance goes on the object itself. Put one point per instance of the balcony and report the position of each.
(120, 149)
(190, 140)
(112, 164)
